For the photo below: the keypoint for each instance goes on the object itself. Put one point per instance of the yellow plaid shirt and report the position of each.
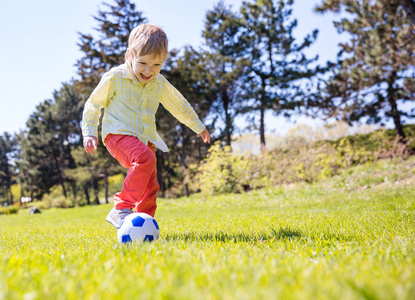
(130, 106)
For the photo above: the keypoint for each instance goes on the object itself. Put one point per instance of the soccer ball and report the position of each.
(139, 227)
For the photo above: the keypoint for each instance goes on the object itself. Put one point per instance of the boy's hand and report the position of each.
(90, 144)
(205, 136)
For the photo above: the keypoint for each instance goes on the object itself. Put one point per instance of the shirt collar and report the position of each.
(129, 73)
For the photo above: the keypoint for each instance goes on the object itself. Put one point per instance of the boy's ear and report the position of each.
(128, 53)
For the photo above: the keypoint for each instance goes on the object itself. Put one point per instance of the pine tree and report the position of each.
(224, 64)
(7, 147)
(278, 64)
(107, 49)
(53, 130)
(52, 146)
(41, 155)
(185, 70)
(375, 71)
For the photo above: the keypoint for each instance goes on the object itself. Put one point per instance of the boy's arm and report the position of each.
(181, 109)
(92, 111)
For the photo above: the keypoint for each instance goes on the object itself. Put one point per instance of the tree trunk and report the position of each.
(62, 181)
(262, 117)
(75, 194)
(397, 121)
(95, 186)
(185, 186)
(10, 194)
(88, 200)
(64, 189)
(182, 160)
(106, 187)
(262, 130)
(394, 110)
(228, 119)
(21, 193)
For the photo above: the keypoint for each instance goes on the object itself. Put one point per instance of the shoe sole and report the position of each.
(109, 220)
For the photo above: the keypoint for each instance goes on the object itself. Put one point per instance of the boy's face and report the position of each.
(146, 67)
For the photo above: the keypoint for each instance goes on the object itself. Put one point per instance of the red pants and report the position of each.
(140, 186)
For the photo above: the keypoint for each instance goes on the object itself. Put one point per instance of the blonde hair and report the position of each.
(147, 39)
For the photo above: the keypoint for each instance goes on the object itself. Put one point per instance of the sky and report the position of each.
(39, 45)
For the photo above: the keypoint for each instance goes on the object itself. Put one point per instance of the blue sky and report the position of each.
(39, 45)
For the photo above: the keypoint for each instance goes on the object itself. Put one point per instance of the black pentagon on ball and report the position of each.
(148, 238)
(138, 221)
(155, 223)
(126, 239)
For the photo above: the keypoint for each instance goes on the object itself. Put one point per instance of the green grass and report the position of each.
(321, 241)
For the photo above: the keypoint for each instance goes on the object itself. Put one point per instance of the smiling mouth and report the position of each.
(145, 77)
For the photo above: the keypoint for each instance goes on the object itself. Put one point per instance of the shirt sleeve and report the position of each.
(180, 108)
(98, 99)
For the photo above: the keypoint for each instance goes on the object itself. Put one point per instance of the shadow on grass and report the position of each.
(285, 233)
(226, 237)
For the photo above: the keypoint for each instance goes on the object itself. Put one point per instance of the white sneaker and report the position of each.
(116, 216)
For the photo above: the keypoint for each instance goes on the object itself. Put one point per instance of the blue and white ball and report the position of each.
(138, 227)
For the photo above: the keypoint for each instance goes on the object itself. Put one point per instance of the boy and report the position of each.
(130, 95)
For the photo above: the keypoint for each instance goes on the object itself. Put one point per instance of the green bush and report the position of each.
(61, 202)
(9, 210)
(224, 171)
(220, 170)
(44, 204)
(115, 183)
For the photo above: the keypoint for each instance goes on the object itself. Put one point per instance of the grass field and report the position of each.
(320, 241)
